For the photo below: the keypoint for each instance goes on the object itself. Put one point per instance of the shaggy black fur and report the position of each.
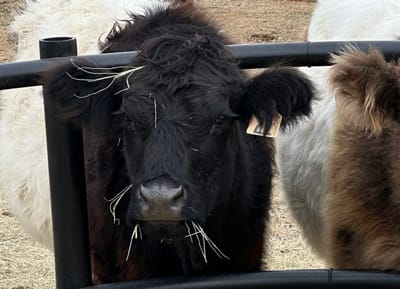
(199, 140)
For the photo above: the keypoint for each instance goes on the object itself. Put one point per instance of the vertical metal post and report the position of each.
(67, 184)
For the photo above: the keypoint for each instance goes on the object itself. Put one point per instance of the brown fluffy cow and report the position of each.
(363, 183)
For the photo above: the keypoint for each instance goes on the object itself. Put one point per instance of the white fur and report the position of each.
(302, 151)
(23, 158)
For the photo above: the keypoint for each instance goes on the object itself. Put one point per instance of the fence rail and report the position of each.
(28, 73)
(287, 279)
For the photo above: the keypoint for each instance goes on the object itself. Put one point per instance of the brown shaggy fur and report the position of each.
(363, 201)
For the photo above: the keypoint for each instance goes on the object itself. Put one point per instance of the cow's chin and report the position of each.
(165, 231)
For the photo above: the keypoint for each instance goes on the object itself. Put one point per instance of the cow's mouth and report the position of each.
(167, 231)
(171, 232)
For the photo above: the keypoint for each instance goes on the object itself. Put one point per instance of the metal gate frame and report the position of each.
(67, 174)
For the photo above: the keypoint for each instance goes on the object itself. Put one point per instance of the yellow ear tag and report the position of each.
(255, 127)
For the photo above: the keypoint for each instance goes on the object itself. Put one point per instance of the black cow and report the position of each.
(167, 152)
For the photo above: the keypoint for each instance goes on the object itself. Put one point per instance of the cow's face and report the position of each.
(176, 144)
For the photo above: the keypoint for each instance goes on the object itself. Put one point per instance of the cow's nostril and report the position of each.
(144, 193)
(179, 195)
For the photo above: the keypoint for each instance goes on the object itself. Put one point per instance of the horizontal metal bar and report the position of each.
(288, 279)
(306, 53)
(28, 73)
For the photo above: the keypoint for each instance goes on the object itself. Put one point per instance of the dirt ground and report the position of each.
(24, 264)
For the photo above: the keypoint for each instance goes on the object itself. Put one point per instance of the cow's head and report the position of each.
(179, 112)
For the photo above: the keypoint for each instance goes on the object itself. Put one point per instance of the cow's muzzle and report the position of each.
(161, 200)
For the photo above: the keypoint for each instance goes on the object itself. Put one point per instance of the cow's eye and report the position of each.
(219, 125)
(132, 126)
(129, 123)
(220, 120)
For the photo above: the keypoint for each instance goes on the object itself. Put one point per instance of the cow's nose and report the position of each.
(161, 199)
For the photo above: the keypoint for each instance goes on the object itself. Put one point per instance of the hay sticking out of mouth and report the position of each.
(199, 232)
(137, 232)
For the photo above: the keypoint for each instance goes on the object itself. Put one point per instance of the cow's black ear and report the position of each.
(280, 90)
(80, 91)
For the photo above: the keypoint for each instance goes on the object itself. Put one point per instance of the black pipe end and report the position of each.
(57, 47)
